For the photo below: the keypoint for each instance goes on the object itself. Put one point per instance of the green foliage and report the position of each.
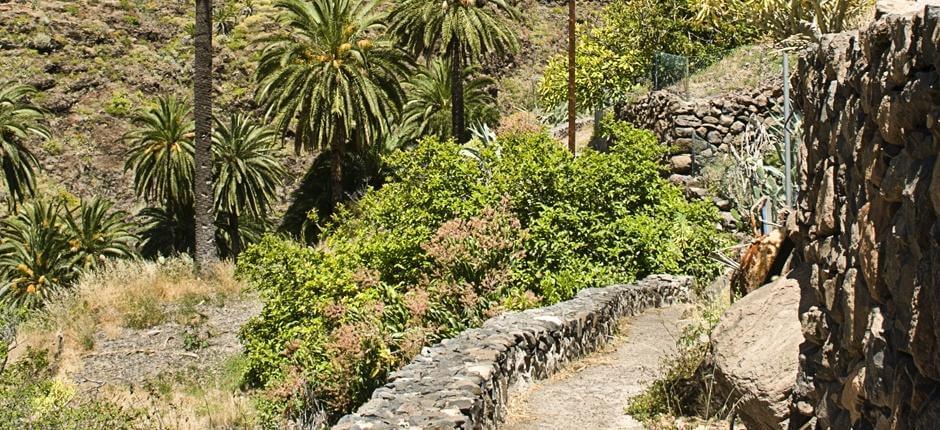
(46, 246)
(246, 174)
(18, 120)
(334, 76)
(806, 19)
(120, 104)
(31, 398)
(98, 233)
(428, 109)
(161, 153)
(469, 29)
(451, 240)
(614, 56)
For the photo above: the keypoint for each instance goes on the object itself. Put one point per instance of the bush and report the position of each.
(451, 240)
(687, 384)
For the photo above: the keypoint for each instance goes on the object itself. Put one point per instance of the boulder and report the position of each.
(755, 353)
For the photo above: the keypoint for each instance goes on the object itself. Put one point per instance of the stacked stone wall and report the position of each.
(704, 127)
(464, 383)
(866, 226)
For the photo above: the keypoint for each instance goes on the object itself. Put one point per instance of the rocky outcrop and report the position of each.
(464, 382)
(867, 224)
(755, 351)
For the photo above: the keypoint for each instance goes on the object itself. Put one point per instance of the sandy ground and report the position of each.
(592, 393)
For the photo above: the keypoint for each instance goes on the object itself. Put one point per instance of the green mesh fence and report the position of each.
(670, 70)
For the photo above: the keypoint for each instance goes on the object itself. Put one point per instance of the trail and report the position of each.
(593, 392)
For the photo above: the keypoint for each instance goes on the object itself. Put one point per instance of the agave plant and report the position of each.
(36, 259)
(97, 233)
(18, 120)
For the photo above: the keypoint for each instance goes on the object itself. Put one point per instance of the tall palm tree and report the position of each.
(161, 156)
(429, 100)
(18, 120)
(461, 31)
(161, 153)
(204, 252)
(333, 76)
(246, 171)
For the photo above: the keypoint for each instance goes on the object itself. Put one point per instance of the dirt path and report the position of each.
(593, 392)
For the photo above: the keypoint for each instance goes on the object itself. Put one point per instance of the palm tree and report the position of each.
(97, 234)
(35, 257)
(246, 171)
(429, 100)
(204, 251)
(18, 120)
(334, 77)
(462, 30)
(161, 154)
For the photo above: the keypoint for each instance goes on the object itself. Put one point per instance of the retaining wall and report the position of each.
(867, 225)
(464, 383)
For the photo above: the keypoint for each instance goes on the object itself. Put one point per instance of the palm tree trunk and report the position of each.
(235, 235)
(336, 166)
(204, 253)
(458, 121)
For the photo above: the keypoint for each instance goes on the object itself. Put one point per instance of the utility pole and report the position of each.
(571, 59)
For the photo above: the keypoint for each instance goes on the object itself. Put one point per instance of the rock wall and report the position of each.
(465, 382)
(715, 122)
(867, 224)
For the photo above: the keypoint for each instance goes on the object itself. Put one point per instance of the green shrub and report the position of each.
(451, 240)
(618, 53)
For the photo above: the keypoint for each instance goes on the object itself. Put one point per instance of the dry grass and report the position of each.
(136, 295)
(132, 294)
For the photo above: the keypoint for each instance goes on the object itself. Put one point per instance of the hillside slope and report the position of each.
(97, 61)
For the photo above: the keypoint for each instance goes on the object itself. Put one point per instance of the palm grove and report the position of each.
(335, 80)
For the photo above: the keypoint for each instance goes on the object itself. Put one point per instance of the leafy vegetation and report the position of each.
(452, 240)
(18, 120)
(686, 387)
(336, 77)
(617, 54)
(462, 32)
(46, 246)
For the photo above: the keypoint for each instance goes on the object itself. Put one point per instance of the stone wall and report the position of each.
(715, 122)
(867, 225)
(465, 382)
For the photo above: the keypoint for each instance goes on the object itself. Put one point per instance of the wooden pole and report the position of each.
(571, 70)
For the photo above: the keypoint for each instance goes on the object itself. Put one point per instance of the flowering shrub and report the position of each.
(450, 241)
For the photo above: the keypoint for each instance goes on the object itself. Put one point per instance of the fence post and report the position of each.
(788, 151)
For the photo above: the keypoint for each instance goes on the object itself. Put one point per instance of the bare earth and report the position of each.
(593, 392)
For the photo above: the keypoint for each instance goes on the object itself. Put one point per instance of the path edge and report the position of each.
(464, 382)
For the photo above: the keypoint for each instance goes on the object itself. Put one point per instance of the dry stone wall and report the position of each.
(464, 383)
(867, 225)
(701, 127)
